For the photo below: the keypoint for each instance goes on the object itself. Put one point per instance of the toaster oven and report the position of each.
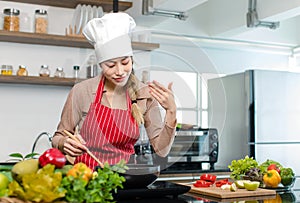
(193, 150)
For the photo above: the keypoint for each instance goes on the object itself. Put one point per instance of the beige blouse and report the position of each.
(161, 135)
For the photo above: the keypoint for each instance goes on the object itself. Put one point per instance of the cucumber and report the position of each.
(6, 167)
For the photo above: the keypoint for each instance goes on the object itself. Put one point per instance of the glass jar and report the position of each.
(6, 70)
(11, 19)
(22, 71)
(76, 71)
(59, 72)
(44, 71)
(41, 21)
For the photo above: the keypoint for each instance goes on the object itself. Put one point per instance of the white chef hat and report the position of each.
(110, 35)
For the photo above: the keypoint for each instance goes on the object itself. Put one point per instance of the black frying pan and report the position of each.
(140, 175)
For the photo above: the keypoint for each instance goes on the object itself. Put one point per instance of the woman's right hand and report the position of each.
(74, 148)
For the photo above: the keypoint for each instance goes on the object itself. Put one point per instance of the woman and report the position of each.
(109, 108)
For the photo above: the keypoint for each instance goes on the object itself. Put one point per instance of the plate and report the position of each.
(76, 20)
(84, 18)
(89, 12)
(100, 12)
(95, 12)
(280, 188)
(157, 189)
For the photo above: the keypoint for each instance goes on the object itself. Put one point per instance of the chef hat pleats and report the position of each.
(110, 35)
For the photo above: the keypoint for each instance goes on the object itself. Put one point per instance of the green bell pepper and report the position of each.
(287, 176)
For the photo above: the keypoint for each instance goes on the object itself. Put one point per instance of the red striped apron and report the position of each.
(110, 134)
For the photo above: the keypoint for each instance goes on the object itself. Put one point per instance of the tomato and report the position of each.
(202, 183)
(208, 177)
(221, 182)
(81, 170)
(273, 167)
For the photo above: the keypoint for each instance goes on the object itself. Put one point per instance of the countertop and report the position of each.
(286, 197)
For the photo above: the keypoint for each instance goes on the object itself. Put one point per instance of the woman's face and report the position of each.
(118, 70)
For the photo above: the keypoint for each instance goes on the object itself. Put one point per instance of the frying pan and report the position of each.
(140, 175)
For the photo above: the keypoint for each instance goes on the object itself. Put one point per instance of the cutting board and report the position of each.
(220, 193)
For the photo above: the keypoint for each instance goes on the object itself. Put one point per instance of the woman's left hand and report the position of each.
(163, 95)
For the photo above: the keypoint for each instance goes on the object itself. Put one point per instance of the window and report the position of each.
(190, 92)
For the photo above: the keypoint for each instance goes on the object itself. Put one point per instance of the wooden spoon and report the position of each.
(88, 151)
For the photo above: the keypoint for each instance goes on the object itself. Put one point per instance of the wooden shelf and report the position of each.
(36, 80)
(61, 40)
(107, 5)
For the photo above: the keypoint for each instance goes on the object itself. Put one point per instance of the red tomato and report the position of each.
(273, 167)
(208, 177)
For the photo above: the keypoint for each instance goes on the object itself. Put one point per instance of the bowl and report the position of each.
(140, 175)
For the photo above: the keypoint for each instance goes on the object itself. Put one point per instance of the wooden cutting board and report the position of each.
(220, 193)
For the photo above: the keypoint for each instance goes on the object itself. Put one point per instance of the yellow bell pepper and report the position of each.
(272, 178)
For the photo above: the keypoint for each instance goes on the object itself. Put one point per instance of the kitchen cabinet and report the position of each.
(107, 5)
(60, 40)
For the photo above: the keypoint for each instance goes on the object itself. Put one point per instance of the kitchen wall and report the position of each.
(27, 110)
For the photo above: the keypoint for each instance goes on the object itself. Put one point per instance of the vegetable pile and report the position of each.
(270, 173)
(49, 179)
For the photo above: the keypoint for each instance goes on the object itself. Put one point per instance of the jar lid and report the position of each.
(22, 66)
(41, 11)
(59, 69)
(76, 67)
(6, 66)
(44, 66)
(11, 11)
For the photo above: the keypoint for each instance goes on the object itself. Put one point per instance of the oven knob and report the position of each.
(214, 136)
(214, 153)
(214, 145)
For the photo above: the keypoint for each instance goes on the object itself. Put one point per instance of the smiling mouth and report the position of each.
(119, 79)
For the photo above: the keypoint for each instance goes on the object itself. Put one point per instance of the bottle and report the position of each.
(11, 19)
(92, 68)
(22, 71)
(41, 21)
(6, 70)
(76, 71)
(59, 73)
(44, 71)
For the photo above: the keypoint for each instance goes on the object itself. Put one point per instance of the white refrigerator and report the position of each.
(257, 113)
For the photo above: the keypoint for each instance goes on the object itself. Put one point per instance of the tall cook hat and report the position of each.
(110, 35)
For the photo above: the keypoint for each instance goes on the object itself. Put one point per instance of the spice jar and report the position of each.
(11, 19)
(22, 71)
(44, 71)
(6, 70)
(41, 21)
(59, 72)
(76, 71)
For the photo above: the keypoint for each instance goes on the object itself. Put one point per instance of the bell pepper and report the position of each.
(202, 183)
(81, 170)
(287, 176)
(273, 166)
(53, 156)
(208, 177)
(272, 178)
(221, 182)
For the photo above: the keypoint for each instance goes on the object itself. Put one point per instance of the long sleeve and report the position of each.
(160, 133)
